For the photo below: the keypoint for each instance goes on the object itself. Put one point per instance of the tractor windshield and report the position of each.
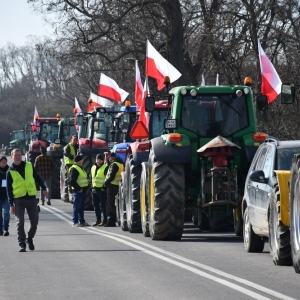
(212, 115)
(49, 131)
(18, 135)
(157, 122)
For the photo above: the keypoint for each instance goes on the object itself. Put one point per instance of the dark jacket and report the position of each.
(112, 171)
(21, 169)
(3, 194)
(73, 178)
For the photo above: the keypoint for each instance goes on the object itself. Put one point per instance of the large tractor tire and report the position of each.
(64, 188)
(279, 234)
(166, 198)
(238, 221)
(23, 149)
(252, 241)
(121, 207)
(295, 213)
(87, 165)
(132, 197)
(220, 220)
(144, 193)
(55, 182)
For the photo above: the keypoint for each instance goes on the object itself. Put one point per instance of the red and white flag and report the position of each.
(144, 117)
(271, 83)
(158, 67)
(109, 88)
(138, 86)
(95, 100)
(35, 116)
(78, 110)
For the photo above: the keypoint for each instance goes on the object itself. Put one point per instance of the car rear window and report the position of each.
(285, 156)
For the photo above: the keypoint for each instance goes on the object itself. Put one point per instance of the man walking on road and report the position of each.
(112, 181)
(21, 181)
(4, 204)
(98, 172)
(79, 184)
(44, 165)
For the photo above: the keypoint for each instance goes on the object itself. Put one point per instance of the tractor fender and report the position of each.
(170, 154)
(140, 151)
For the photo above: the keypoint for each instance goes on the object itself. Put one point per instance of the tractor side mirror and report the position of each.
(287, 93)
(149, 104)
(262, 103)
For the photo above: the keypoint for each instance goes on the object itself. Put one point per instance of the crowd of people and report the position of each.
(19, 189)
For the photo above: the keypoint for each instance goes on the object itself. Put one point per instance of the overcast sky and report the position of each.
(17, 21)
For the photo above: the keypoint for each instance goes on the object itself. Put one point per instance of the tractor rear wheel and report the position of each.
(279, 234)
(132, 197)
(121, 207)
(87, 165)
(144, 193)
(64, 189)
(238, 221)
(294, 213)
(252, 241)
(166, 198)
(55, 185)
(23, 149)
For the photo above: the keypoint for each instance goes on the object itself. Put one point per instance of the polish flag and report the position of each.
(158, 67)
(77, 112)
(35, 119)
(138, 86)
(35, 116)
(95, 100)
(271, 83)
(144, 117)
(109, 88)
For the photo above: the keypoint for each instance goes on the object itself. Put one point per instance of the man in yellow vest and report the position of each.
(21, 190)
(79, 185)
(70, 150)
(99, 172)
(112, 180)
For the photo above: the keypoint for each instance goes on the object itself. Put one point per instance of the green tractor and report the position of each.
(19, 139)
(198, 168)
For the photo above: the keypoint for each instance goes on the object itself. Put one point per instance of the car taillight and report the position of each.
(56, 147)
(174, 137)
(259, 137)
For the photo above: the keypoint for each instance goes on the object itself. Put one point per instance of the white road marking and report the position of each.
(122, 239)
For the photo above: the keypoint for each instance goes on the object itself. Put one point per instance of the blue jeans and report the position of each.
(4, 219)
(99, 200)
(78, 207)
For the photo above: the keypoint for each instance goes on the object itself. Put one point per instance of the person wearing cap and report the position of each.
(70, 150)
(79, 185)
(21, 179)
(44, 165)
(112, 181)
(4, 204)
(98, 172)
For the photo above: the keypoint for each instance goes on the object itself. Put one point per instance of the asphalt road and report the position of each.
(107, 263)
